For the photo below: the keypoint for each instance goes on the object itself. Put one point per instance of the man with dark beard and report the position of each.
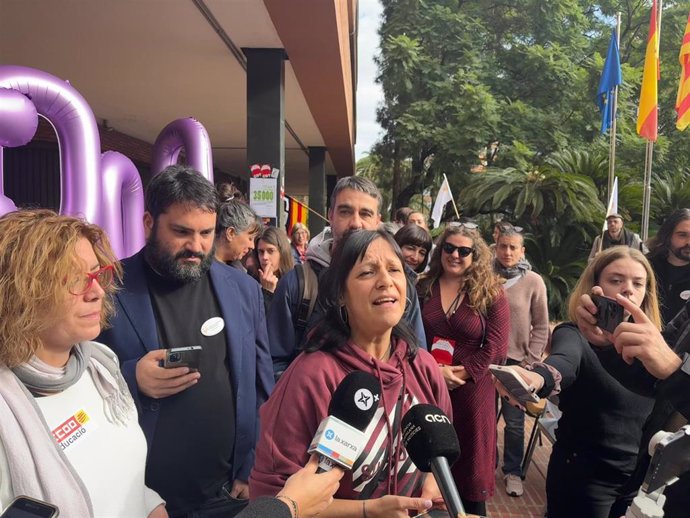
(669, 253)
(200, 426)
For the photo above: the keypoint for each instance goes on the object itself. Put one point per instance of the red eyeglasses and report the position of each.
(104, 276)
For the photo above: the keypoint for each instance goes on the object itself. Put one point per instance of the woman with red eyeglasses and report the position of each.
(467, 322)
(69, 433)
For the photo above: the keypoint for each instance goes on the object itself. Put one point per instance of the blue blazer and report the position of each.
(134, 333)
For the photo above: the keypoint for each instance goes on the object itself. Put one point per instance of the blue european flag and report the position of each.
(611, 77)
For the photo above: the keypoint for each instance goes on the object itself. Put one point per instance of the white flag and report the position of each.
(613, 203)
(443, 197)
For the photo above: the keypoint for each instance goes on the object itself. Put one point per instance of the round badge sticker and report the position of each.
(212, 326)
(685, 295)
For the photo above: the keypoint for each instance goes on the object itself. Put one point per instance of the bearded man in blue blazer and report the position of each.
(200, 425)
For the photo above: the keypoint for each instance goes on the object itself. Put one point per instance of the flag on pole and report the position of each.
(683, 99)
(649, 108)
(611, 77)
(297, 213)
(613, 204)
(444, 196)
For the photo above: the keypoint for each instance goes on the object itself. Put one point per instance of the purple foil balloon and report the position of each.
(123, 202)
(80, 148)
(18, 118)
(6, 205)
(189, 134)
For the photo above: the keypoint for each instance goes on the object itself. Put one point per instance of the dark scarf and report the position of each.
(513, 274)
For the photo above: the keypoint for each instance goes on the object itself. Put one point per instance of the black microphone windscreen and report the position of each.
(356, 399)
(427, 434)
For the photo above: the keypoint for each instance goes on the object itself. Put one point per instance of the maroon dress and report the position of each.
(474, 410)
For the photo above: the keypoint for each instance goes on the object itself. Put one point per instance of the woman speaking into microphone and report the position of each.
(363, 295)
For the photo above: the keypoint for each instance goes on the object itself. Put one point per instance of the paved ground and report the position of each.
(533, 503)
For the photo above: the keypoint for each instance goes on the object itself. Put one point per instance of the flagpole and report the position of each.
(457, 214)
(307, 207)
(649, 151)
(612, 144)
(647, 193)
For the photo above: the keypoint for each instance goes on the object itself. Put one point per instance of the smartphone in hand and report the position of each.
(609, 313)
(25, 507)
(183, 357)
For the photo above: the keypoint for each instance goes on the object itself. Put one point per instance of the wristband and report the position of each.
(292, 503)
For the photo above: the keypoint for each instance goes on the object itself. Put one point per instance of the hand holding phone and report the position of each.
(512, 387)
(157, 382)
(609, 313)
(183, 357)
(25, 507)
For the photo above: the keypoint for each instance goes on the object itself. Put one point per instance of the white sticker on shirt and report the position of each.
(212, 326)
(74, 429)
(685, 295)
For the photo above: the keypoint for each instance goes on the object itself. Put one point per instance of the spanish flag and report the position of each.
(683, 99)
(649, 108)
(297, 213)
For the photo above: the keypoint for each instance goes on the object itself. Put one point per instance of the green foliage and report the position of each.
(500, 97)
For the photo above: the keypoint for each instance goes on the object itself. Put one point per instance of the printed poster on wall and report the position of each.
(263, 193)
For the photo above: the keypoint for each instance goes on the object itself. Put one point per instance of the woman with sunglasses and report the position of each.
(467, 323)
(69, 433)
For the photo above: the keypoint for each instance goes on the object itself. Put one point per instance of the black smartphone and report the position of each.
(25, 507)
(609, 313)
(183, 357)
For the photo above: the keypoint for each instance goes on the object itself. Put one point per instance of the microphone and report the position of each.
(340, 438)
(432, 444)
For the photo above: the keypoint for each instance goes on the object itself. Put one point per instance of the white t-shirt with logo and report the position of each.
(109, 458)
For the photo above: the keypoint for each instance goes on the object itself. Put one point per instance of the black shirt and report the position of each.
(601, 418)
(672, 281)
(192, 449)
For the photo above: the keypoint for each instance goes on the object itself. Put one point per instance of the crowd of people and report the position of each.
(96, 418)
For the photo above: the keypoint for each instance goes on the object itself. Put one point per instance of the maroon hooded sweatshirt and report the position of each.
(300, 402)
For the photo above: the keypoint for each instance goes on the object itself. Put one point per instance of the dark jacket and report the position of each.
(134, 333)
(669, 292)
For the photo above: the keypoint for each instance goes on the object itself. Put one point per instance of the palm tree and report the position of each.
(561, 210)
(540, 192)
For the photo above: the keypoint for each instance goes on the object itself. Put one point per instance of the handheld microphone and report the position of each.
(340, 437)
(432, 444)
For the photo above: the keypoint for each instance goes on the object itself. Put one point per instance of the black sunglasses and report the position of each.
(464, 251)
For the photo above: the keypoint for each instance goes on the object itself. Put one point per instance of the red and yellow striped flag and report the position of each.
(297, 213)
(683, 99)
(648, 111)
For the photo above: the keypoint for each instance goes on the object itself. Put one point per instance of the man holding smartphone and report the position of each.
(200, 425)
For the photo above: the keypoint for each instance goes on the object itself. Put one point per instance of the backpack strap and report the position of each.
(308, 287)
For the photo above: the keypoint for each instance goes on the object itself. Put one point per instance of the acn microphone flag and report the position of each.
(683, 99)
(611, 77)
(648, 111)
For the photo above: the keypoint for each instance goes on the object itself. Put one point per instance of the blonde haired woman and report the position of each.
(467, 324)
(68, 426)
(599, 434)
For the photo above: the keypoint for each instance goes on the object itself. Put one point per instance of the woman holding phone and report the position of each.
(598, 435)
(69, 433)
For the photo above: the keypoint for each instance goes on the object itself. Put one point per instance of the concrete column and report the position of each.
(266, 113)
(317, 188)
